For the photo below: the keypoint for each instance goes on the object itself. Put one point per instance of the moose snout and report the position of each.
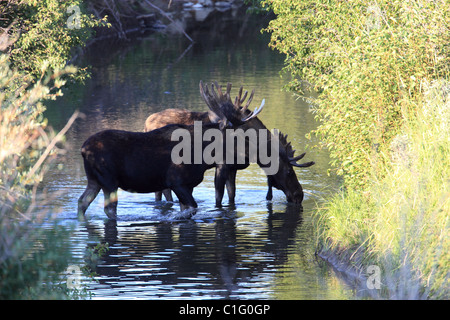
(296, 197)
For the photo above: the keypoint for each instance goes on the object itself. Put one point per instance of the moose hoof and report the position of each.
(81, 216)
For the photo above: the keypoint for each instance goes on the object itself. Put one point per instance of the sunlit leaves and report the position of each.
(367, 59)
(44, 41)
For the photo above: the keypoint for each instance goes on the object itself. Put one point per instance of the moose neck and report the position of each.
(267, 148)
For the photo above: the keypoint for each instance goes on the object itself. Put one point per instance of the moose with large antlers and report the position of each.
(143, 161)
(225, 174)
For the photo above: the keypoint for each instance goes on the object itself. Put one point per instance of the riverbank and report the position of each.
(394, 237)
(381, 108)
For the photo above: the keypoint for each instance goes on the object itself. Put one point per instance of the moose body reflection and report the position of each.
(218, 259)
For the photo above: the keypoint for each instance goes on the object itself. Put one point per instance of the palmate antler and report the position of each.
(238, 100)
(219, 102)
(290, 153)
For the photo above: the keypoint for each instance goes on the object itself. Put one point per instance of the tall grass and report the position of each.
(384, 123)
(401, 223)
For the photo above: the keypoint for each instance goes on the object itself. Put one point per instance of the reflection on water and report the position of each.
(196, 259)
(256, 249)
(263, 253)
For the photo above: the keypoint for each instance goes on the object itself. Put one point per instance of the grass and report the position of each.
(401, 222)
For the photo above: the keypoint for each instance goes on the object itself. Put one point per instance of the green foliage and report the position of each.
(33, 264)
(401, 221)
(46, 33)
(23, 138)
(38, 37)
(383, 112)
(367, 59)
(31, 257)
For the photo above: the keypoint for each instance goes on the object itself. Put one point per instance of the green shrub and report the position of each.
(31, 256)
(401, 221)
(37, 37)
(366, 59)
(46, 33)
(383, 112)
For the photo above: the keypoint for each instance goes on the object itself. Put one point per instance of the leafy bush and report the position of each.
(367, 59)
(38, 37)
(402, 221)
(46, 32)
(381, 70)
(31, 257)
(24, 141)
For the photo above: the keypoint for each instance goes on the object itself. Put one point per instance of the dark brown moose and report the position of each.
(225, 174)
(142, 161)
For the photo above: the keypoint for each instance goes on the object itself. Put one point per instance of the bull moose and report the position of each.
(225, 174)
(142, 161)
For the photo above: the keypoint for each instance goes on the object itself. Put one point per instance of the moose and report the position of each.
(142, 161)
(225, 173)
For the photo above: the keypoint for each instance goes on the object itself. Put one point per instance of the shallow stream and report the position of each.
(257, 249)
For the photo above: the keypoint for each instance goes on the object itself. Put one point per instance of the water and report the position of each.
(256, 249)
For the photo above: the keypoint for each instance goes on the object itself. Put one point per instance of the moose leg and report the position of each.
(269, 195)
(220, 179)
(167, 194)
(184, 194)
(231, 185)
(87, 197)
(110, 203)
(158, 195)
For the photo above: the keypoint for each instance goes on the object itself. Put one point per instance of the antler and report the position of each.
(211, 101)
(239, 100)
(255, 112)
(290, 153)
(218, 101)
(303, 165)
(248, 101)
(227, 96)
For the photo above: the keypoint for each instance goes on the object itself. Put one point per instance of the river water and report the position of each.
(256, 249)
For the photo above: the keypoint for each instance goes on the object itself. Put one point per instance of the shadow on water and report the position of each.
(255, 249)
